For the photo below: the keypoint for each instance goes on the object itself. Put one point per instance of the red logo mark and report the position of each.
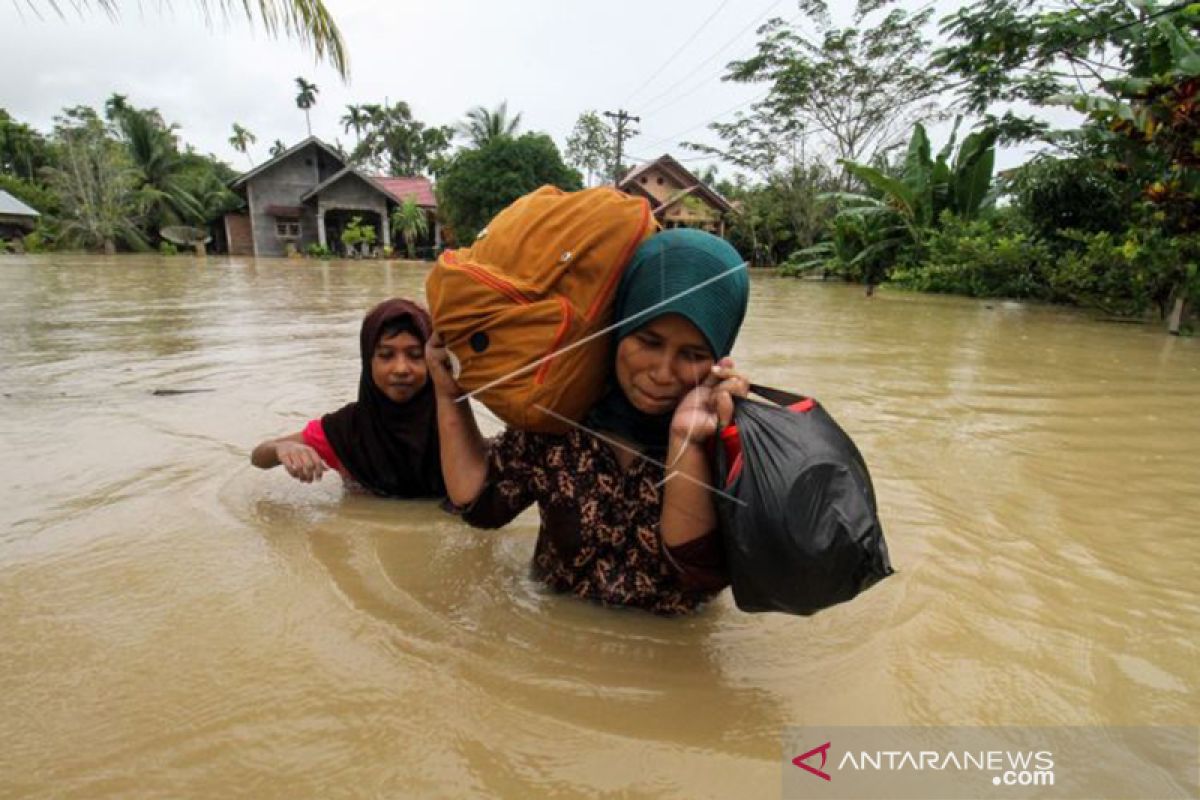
(823, 750)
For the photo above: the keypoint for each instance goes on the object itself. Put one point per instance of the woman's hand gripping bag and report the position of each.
(799, 520)
(522, 308)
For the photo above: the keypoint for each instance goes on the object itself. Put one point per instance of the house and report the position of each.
(16, 218)
(677, 197)
(308, 194)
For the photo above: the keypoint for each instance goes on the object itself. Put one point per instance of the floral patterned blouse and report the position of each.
(600, 533)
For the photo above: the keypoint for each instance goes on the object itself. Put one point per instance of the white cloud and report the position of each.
(550, 59)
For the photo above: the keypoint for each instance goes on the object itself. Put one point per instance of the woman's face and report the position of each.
(661, 362)
(398, 366)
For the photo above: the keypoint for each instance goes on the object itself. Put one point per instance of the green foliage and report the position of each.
(854, 90)
(477, 184)
(96, 183)
(163, 188)
(991, 257)
(926, 187)
(862, 247)
(355, 119)
(1154, 117)
(32, 194)
(591, 146)
(357, 233)
(1054, 194)
(23, 151)
(37, 240)
(241, 140)
(410, 222)
(393, 142)
(306, 20)
(167, 249)
(482, 126)
(872, 232)
(306, 98)
(1001, 52)
(1126, 275)
(118, 179)
(316, 250)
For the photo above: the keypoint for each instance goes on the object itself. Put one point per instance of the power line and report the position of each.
(714, 54)
(707, 121)
(940, 90)
(674, 55)
(704, 83)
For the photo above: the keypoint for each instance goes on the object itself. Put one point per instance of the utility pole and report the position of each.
(622, 120)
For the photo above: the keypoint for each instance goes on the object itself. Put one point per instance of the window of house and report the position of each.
(660, 181)
(643, 179)
(287, 227)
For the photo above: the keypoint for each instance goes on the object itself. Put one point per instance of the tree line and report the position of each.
(836, 174)
(113, 178)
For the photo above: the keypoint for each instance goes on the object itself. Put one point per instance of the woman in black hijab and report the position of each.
(386, 441)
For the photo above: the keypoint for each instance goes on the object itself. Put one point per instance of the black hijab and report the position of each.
(390, 448)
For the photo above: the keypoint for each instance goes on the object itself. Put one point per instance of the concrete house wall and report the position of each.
(283, 184)
(352, 193)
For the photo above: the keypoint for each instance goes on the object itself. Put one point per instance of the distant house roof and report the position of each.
(398, 189)
(691, 184)
(12, 207)
(334, 178)
(419, 188)
(245, 176)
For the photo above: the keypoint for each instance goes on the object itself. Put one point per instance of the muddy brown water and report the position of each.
(176, 623)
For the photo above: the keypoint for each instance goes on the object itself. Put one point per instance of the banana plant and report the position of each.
(869, 231)
(927, 187)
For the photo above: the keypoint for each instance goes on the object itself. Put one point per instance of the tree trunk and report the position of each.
(110, 247)
(1178, 314)
(201, 252)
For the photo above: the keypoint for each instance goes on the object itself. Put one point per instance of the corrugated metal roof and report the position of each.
(419, 188)
(14, 207)
(291, 151)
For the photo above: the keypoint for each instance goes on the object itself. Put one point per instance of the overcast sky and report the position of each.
(550, 59)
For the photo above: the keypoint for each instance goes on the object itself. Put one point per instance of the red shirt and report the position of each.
(314, 437)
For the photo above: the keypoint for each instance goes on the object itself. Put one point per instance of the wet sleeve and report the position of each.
(700, 563)
(314, 437)
(515, 469)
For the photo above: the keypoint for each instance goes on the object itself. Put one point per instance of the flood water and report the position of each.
(176, 623)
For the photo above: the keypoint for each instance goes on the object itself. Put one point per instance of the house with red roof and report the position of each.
(309, 193)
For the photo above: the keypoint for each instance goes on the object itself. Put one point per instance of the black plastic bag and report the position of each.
(799, 521)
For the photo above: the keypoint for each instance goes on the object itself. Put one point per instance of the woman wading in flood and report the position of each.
(611, 530)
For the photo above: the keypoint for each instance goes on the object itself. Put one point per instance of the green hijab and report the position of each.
(681, 271)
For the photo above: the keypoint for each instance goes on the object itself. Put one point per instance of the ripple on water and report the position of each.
(179, 623)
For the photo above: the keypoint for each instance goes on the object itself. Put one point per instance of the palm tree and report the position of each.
(241, 141)
(277, 149)
(163, 191)
(482, 126)
(306, 99)
(409, 221)
(355, 118)
(115, 106)
(307, 20)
